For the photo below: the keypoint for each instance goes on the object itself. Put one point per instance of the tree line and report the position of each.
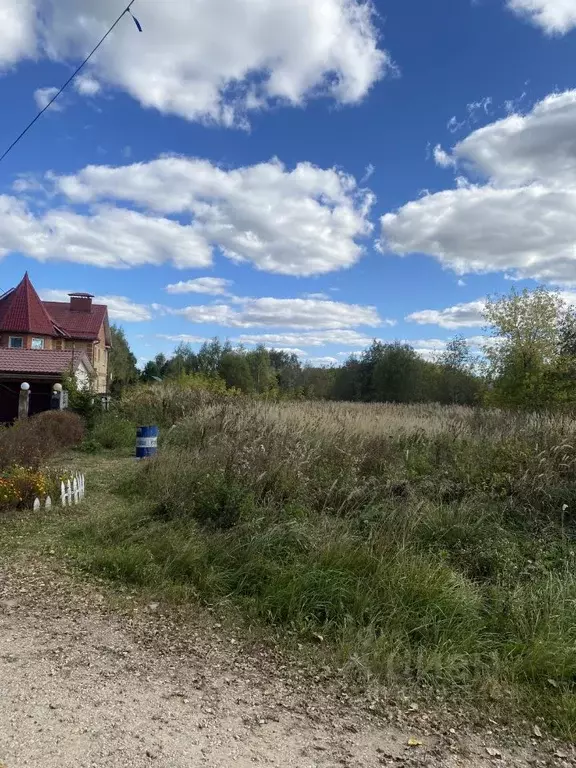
(529, 361)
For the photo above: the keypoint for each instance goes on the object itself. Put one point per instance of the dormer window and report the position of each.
(16, 342)
(37, 344)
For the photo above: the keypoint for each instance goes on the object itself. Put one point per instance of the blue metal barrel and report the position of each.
(146, 442)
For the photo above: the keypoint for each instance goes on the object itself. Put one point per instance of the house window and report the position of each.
(37, 344)
(16, 342)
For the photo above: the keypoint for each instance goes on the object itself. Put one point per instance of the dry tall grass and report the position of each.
(377, 419)
(422, 543)
(32, 441)
(167, 404)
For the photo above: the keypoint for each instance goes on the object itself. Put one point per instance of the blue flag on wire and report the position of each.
(138, 25)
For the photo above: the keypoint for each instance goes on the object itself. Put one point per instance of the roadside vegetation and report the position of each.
(429, 547)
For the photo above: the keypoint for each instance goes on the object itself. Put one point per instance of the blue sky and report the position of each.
(309, 174)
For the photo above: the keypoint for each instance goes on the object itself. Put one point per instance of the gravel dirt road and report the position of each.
(84, 685)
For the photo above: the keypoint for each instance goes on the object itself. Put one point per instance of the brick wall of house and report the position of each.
(81, 346)
(49, 343)
(100, 362)
(98, 356)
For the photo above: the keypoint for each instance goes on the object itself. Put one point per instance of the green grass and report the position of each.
(407, 618)
(428, 560)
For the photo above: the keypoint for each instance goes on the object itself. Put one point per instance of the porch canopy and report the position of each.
(41, 369)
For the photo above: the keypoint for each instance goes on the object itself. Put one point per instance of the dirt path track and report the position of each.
(83, 687)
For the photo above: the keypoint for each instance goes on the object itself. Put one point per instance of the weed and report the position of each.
(112, 432)
(30, 442)
(422, 544)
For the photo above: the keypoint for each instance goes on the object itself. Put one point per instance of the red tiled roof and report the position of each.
(78, 325)
(21, 311)
(48, 361)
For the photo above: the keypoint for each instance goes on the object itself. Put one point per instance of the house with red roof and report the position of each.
(42, 341)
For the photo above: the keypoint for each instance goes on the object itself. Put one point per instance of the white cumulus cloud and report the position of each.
(86, 85)
(182, 338)
(530, 231)
(108, 237)
(217, 60)
(120, 308)
(17, 31)
(522, 219)
(339, 336)
(442, 158)
(306, 314)
(215, 286)
(466, 315)
(555, 17)
(520, 149)
(432, 349)
(323, 362)
(303, 221)
(42, 97)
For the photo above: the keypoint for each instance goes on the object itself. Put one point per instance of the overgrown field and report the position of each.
(421, 545)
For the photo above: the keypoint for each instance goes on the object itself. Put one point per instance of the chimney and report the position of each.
(81, 302)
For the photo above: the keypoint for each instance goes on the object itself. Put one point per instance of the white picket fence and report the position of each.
(71, 492)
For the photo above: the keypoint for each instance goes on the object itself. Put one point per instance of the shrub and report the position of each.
(64, 428)
(20, 486)
(112, 431)
(81, 400)
(30, 484)
(31, 442)
(167, 403)
(20, 444)
(9, 495)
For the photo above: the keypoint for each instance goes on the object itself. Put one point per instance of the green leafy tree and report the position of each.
(563, 377)
(150, 371)
(122, 368)
(286, 368)
(369, 361)
(525, 350)
(457, 355)
(456, 381)
(355, 380)
(210, 356)
(261, 369)
(567, 329)
(161, 362)
(235, 371)
(183, 361)
(348, 381)
(396, 376)
(317, 383)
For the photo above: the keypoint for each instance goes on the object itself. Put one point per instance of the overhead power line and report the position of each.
(72, 76)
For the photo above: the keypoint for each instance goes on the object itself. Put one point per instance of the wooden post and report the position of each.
(24, 401)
